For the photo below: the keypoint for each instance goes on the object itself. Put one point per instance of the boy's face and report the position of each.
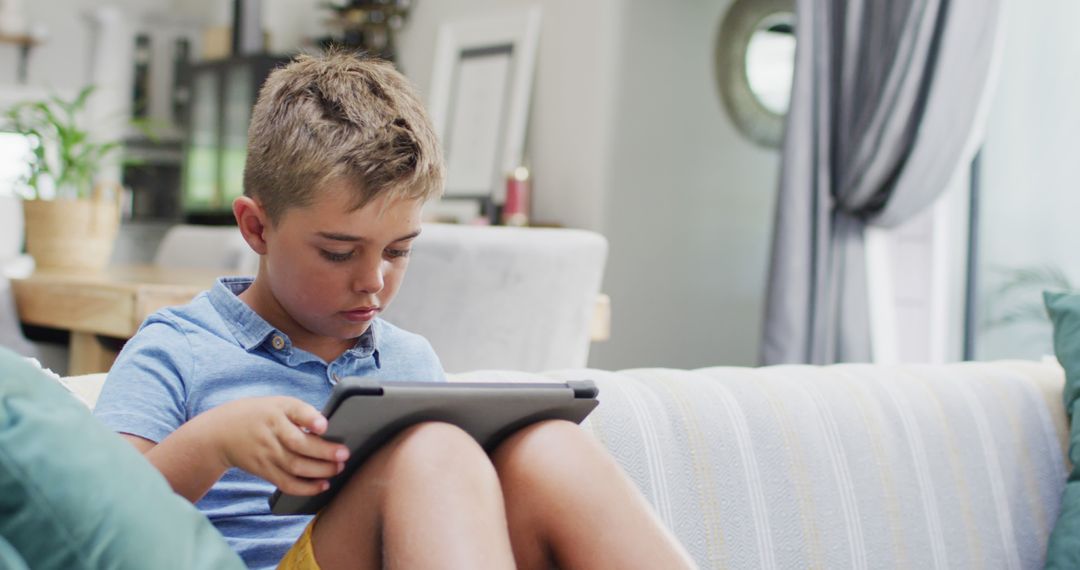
(331, 271)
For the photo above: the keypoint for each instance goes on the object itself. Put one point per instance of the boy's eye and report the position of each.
(397, 253)
(336, 257)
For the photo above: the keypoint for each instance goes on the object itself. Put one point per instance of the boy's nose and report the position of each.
(368, 279)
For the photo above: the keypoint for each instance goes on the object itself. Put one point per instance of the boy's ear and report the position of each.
(253, 222)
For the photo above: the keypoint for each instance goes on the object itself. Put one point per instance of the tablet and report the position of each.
(364, 414)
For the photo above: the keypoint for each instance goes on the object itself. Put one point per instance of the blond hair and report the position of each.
(339, 116)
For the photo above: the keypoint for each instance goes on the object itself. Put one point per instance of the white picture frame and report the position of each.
(479, 99)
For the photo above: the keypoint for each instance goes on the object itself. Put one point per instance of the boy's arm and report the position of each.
(274, 438)
(180, 461)
(145, 396)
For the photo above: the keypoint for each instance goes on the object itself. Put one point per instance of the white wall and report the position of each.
(61, 61)
(573, 96)
(689, 207)
(1031, 167)
(627, 137)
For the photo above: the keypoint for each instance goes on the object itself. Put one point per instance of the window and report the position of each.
(14, 154)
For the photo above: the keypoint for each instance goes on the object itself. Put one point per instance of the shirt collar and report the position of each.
(252, 331)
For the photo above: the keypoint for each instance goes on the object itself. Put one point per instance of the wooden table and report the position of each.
(104, 308)
(111, 303)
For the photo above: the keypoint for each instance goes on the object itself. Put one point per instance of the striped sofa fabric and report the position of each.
(848, 466)
(851, 466)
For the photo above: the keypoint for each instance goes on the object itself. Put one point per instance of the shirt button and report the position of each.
(278, 342)
(335, 377)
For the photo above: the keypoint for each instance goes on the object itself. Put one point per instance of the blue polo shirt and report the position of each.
(187, 360)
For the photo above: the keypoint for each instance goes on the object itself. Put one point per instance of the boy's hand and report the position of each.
(277, 438)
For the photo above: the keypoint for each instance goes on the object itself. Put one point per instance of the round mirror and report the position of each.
(770, 62)
(755, 63)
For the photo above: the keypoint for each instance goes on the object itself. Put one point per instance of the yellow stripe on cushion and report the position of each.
(873, 423)
(808, 512)
(705, 480)
(975, 546)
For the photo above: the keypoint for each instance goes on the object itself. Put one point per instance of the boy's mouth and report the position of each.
(361, 314)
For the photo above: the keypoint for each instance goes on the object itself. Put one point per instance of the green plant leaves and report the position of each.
(62, 150)
(1018, 298)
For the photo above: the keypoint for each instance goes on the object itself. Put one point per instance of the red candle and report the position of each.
(516, 208)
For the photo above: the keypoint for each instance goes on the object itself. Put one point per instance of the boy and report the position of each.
(221, 395)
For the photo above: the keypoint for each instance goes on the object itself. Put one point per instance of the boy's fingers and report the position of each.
(308, 468)
(305, 416)
(315, 447)
(292, 485)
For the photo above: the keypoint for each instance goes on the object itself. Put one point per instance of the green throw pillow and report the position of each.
(1064, 308)
(74, 495)
(9, 557)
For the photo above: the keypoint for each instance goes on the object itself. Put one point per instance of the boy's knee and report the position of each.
(423, 458)
(440, 449)
(544, 449)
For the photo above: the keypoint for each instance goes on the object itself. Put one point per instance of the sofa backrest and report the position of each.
(216, 247)
(848, 466)
(502, 297)
(485, 297)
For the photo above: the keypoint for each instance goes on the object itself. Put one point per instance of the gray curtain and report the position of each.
(885, 100)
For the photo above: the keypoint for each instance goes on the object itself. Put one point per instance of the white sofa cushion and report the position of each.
(502, 297)
(849, 466)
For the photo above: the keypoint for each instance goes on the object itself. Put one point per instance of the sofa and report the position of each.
(846, 466)
(502, 297)
(518, 298)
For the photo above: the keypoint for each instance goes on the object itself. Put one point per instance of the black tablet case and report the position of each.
(365, 414)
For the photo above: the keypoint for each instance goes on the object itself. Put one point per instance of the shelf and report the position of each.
(19, 40)
(24, 42)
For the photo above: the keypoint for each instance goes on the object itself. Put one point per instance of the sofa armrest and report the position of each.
(86, 387)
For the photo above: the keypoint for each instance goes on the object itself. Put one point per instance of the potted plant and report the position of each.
(71, 219)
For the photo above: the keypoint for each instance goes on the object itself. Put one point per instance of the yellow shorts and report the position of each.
(302, 554)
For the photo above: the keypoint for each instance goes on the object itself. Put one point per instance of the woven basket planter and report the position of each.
(71, 233)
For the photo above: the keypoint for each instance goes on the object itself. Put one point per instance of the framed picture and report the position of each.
(480, 91)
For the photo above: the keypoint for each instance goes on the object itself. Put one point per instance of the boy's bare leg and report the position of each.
(569, 503)
(428, 499)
